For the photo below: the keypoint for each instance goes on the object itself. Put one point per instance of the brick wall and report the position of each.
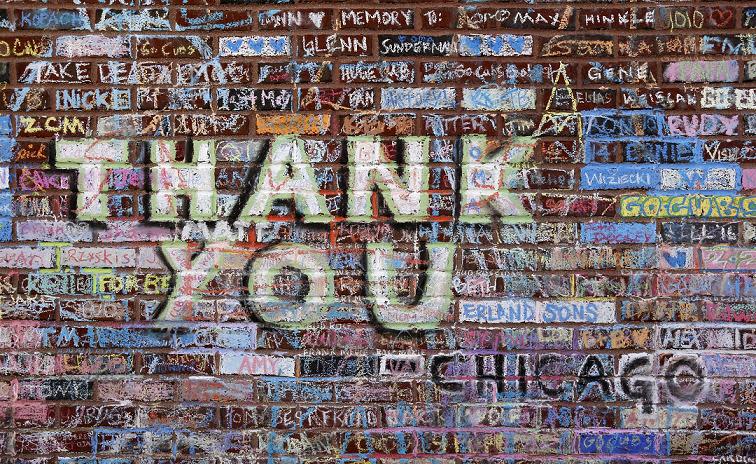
(239, 231)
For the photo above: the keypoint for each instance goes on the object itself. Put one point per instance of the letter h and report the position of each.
(170, 178)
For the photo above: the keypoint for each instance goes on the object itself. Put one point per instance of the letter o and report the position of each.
(682, 392)
(271, 308)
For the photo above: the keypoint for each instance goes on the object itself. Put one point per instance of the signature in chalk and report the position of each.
(735, 458)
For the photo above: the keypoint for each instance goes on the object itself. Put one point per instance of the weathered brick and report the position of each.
(336, 45)
(279, 231)
(49, 19)
(209, 20)
(170, 46)
(415, 45)
(301, 19)
(148, 19)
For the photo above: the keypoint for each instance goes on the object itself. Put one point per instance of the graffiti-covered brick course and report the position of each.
(377, 232)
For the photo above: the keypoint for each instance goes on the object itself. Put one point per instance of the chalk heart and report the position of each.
(316, 18)
(721, 17)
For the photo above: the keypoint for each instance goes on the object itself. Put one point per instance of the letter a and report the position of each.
(286, 173)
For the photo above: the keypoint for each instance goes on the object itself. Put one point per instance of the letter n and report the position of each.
(369, 168)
